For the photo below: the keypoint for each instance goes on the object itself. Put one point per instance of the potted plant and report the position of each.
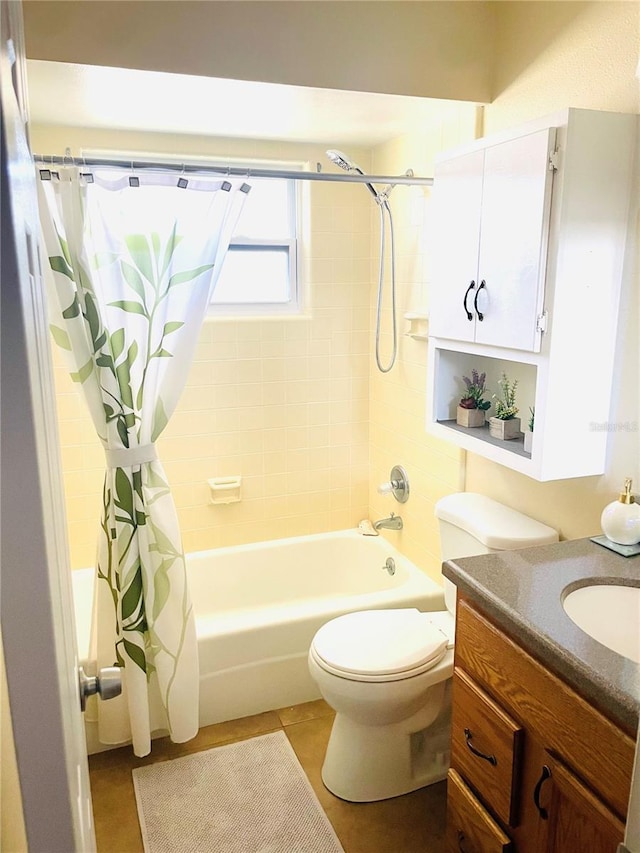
(528, 436)
(472, 407)
(504, 424)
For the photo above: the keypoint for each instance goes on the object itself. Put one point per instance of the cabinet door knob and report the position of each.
(471, 287)
(479, 313)
(490, 758)
(546, 774)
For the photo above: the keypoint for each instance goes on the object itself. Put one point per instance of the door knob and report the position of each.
(107, 684)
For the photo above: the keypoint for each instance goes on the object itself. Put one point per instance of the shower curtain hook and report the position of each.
(134, 181)
(67, 156)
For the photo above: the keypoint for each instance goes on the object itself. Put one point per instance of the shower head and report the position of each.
(346, 163)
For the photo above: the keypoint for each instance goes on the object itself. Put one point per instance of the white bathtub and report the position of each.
(258, 606)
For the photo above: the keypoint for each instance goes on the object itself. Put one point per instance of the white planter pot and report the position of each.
(528, 441)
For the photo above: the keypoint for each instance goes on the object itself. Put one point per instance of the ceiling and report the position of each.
(125, 99)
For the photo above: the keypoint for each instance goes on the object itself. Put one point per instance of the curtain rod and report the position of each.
(233, 171)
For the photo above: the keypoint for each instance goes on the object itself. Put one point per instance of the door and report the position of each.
(457, 201)
(36, 608)
(572, 816)
(516, 205)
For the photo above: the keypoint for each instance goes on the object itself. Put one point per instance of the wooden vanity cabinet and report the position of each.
(534, 766)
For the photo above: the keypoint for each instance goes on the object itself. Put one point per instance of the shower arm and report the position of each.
(45, 161)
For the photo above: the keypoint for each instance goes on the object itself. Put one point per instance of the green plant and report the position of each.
(506, 404)
(532, 417)
(473, 396)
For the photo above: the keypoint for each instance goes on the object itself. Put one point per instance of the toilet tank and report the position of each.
(472, 524)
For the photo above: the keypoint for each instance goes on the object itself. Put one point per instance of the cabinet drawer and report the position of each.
(485, 746)
(556, 715)
(470, 828)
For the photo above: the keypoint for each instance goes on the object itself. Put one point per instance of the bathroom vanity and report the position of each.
(544, 717)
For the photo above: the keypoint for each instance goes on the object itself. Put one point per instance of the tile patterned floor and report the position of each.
(413, 823)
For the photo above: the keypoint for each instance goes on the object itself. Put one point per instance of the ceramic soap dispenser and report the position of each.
(620, 520)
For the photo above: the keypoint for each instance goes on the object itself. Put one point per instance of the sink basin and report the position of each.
(610, 613)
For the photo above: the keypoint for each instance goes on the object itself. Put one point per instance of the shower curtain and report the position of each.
(134, 261)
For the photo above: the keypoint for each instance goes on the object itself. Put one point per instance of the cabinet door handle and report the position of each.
(546, 774)
(461, 840)
(490, 758)
(471, 287)
(483, 284)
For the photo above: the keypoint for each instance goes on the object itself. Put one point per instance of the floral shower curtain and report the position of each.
(134, 261)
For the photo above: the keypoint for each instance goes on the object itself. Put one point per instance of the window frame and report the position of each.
(292, 246)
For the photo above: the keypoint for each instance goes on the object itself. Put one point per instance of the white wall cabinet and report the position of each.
(550, 244)
(491, 226)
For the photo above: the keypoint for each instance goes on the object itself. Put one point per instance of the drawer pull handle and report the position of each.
(461, 840)
(490, 758)
(472, 286)
(483, 285)
(546, 774)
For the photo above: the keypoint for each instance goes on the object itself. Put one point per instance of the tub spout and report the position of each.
(394, 522)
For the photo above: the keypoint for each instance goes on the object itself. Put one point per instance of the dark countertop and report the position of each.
(522, 591)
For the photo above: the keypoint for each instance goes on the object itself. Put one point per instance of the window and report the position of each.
(260, 271)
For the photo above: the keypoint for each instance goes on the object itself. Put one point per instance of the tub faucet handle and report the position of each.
(398, 485)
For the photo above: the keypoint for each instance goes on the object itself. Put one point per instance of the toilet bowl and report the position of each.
(387, 673)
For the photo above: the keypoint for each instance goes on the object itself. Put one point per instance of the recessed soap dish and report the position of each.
(418, 326)
(225, 490)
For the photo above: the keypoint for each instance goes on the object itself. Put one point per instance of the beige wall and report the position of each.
(589, 62)
(435, 50)
(397, 406)
(550, 57)
(555, 55)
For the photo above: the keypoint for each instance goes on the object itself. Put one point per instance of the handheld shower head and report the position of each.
(346, 163)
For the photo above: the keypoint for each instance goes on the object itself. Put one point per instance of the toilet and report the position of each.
(387, 673)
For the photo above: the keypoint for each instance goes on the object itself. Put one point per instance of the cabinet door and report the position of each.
(516, 204)
(572, 815)
(457, 198)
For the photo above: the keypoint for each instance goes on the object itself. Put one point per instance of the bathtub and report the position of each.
(258, 606)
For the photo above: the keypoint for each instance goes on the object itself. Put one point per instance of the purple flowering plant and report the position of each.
(474, 392)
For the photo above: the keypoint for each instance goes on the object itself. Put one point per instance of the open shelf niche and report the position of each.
(450, 366)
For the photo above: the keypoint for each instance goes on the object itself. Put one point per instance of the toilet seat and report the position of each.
(380, 645)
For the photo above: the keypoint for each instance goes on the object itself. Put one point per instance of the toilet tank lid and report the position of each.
(493, 524)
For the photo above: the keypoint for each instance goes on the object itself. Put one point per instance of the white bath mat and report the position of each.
(247, 797)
